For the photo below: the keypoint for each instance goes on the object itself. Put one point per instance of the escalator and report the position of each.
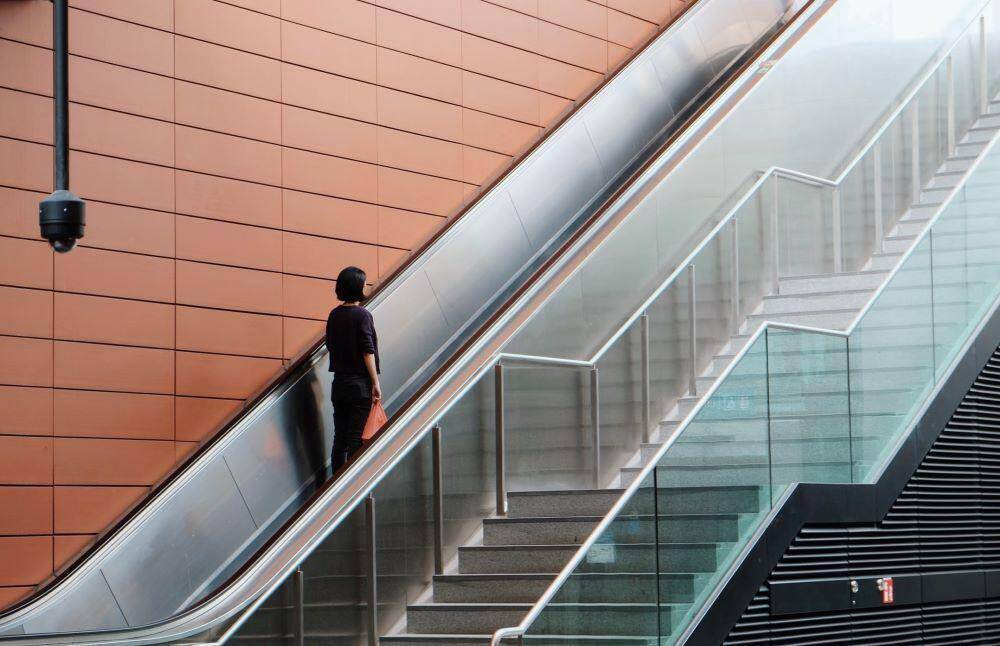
(538, 487)
(207, 521)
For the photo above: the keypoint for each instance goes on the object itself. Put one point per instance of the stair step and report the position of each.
(579, 502)
(815, 301)
(839, 282)
(463, 618)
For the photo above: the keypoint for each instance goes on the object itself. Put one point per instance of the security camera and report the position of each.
(62, 217)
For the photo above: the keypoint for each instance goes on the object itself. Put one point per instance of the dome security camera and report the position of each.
(62, 218)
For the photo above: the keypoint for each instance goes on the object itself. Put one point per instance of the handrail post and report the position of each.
(775, 242)
(950, 94)
(595, 424)
(646, 414)
(984, 78)
(915, 150)
(692, 331)
(878, 198)
(838, 232)
(498, 431)
(735, 279)
(372, 582)
(438, 500)
(298, 608)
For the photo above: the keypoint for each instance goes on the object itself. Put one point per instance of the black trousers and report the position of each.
(352, 402)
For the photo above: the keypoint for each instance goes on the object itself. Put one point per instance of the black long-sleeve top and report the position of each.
(350, 335)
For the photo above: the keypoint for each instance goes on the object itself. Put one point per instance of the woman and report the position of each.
(354, 362)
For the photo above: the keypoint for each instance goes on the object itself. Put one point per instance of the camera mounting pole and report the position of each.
(62, 215)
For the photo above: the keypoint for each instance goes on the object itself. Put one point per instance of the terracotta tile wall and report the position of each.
(235, 154)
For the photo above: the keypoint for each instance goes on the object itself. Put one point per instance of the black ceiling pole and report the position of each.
(61, 216)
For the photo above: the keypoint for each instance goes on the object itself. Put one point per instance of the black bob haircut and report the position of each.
(351, 285)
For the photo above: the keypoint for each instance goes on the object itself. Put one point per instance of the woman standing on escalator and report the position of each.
(354, 362)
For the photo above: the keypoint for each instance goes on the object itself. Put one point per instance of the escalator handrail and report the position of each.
(644, 473)
(377, 462)
(314, 351)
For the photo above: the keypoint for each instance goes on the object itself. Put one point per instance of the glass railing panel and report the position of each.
(897, 160)
(613, 592)
(549, 443)
(810, 421)
(805, 228)
(756, 247)
(932, 115)
(713, 291)
(857, 214)
(992, 15)
(713, 482)
(891, 360)
(620, 398)
(670, 358)
(949, 242)
(967, 71)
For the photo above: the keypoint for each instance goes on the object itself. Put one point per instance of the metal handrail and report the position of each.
(774, 171)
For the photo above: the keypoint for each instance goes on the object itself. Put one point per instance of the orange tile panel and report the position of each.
(496, 133)
(25, 263)
(423, 193)
(25, 165)
(324, 257)
(389, 259)
(183, 449)
(19, 212)
(552, 108)
(499, 97)
(419, 76)
(572, 47)
(104, 132)
(224, 24)
(25, 312)
(419, 37)
(327, 52)
(123, 43)
(227, 69)
(11, 595)
(126, 228)
(25, 411)
(655, 11)
(443, 12)
(221, 198)
(616, 54)
(499, 23)
(26, 510)
(91, 461)
(197, 418)
(328, 93)
(234, 157)
(480, 166)
(565, 80)
(122, 182)
(23, 67)
(25, 461)
(120, 88)
(25, 116)
(580, 15)
(228, 287)
(86, 510)
(309, 297)
(113, 320)
(272, 7)
(152, 13)
(111, 273)
(405, 229)
(228, 243)
(300, 334)
(351, 18)
(326, 175)
(25, 560)
(25, 362)
(420, 115)
(328, 134)
(83, 413)
(66, 547)
(93, 366)
(329, 216)
(419, 154)
(205, 330)
(529, 7)
(627, 30)
(29, 22)
(499, 60)
(227, 112)
(222, 376)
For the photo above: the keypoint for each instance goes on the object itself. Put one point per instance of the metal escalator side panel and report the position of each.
(260, 471)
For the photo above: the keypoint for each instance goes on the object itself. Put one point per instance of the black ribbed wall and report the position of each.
(940, 541)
